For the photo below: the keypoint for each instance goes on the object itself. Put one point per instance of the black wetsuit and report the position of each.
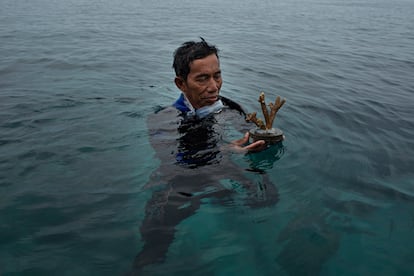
(192, 164)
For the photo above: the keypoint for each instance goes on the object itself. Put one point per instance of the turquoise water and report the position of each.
(79, 78)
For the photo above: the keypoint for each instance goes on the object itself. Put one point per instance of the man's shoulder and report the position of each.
(232, 105)
(163, 115)
(166, 110)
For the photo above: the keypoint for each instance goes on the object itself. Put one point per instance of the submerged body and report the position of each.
(195, 159)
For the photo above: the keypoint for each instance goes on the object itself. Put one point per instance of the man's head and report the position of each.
(188, 52)
(198, 73)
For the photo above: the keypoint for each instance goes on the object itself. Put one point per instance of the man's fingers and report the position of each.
(256, 146)
(243, 140)
(238, 145)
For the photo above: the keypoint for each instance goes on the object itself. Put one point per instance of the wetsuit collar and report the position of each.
(184, 105)
(181, 105)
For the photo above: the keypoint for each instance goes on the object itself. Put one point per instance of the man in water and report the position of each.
(189, 138)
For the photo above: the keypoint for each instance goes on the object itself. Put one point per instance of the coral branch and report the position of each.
(264, 108)
(269, 117)
(274, 108)
(251, 117)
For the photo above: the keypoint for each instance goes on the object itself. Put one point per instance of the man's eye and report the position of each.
(217, 76)
(202, 78)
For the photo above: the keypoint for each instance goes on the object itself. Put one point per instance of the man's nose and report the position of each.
(213, 85)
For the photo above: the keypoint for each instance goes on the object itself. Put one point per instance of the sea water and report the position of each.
(79, 78)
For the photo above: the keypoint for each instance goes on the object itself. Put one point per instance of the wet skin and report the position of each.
(203, 83)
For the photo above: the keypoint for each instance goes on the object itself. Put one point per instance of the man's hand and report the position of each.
(241, 147)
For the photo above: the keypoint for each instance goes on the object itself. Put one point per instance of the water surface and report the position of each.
(79, 78)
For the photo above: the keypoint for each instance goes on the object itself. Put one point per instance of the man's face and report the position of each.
(203, 83)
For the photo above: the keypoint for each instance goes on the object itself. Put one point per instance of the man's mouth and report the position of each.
(211, 98)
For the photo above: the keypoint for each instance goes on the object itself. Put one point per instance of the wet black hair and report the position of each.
(188, 52)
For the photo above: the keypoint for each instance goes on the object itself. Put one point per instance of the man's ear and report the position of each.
(180, 83)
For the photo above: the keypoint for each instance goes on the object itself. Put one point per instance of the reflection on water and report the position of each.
(265, 160)
(198, 142)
